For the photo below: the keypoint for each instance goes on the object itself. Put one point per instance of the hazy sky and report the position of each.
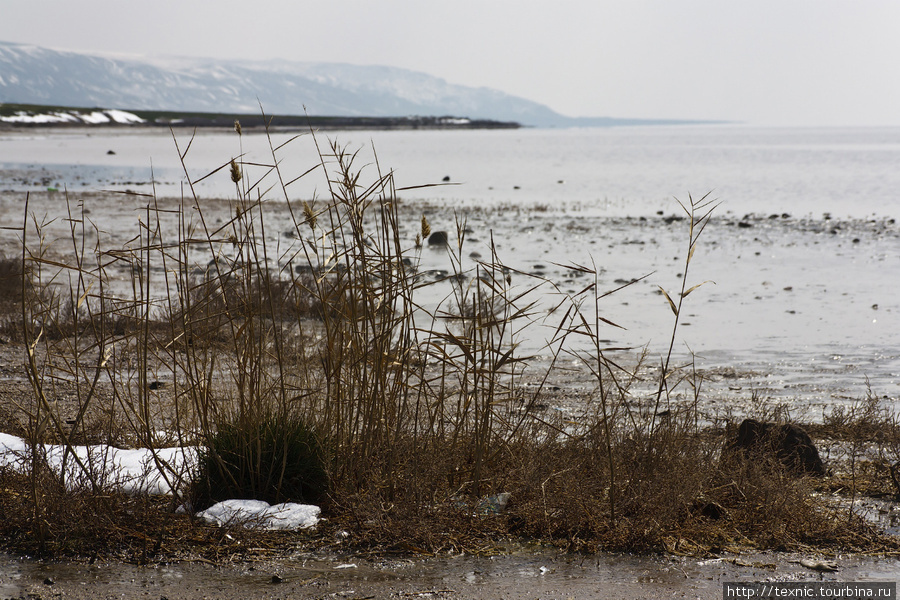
(781, 62)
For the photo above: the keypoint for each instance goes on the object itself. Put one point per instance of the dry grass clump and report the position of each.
(13, 283)
(135, 528)
(864, 438)
(313, 373)
(276, 458)
(684, 501)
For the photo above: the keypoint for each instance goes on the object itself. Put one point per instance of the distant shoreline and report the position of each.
(18, 116)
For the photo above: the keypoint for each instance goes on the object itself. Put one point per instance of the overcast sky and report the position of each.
(779, 62)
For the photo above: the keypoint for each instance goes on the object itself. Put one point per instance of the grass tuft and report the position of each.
(272, 459)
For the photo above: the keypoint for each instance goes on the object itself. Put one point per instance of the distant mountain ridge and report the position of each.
(35, 75)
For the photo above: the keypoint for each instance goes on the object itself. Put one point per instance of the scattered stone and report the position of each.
(438, 238)
(446, 178)
(111, 152)
(819, 565)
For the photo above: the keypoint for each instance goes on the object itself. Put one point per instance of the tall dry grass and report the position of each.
(310, 370)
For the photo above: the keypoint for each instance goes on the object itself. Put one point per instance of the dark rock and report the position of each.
(710, 509)
(446, 178)
(438, 238)
(790, 444)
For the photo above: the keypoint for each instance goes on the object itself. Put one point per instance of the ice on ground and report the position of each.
(257, 514)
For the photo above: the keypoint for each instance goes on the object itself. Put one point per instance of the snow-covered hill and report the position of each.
(35, 75)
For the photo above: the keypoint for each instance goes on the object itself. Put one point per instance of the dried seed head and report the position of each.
(237, 126)
(426, 228)
(235, 171)
(418, 241)
(309, 214)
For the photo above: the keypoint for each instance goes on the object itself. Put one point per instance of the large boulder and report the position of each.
(789, 443)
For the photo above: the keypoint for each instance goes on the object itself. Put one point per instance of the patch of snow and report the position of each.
(24, 117)
(142, 471)
(130, 471)
(257, 514)
(93, 118)
(120, 116)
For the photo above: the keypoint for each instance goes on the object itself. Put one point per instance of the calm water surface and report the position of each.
(633, 171)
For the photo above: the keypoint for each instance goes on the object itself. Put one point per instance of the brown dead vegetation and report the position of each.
(423, 419)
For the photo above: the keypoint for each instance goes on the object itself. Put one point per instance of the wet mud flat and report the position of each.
(798, 311)
(801, 313)
(521, 574)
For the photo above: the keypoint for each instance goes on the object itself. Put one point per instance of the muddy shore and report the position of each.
(543, 575)
(738, 378)
(794, 312)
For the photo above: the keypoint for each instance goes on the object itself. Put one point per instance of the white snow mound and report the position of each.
(257, 514)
